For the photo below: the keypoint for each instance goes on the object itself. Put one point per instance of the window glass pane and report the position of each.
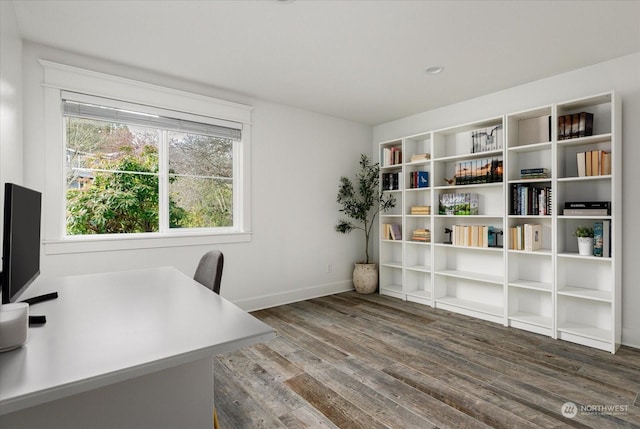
(112, 177)
(200, 202)
(200, 180)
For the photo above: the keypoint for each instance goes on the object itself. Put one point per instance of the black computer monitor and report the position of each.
(21, 240)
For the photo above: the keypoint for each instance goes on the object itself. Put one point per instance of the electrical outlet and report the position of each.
(329, 268)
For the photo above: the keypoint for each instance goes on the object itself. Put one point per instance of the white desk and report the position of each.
(125, 349)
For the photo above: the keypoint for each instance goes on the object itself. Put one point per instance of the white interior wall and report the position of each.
(297, 159)
(623, 76)
(10, 100)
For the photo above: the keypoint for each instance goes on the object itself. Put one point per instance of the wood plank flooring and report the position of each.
(369, 361)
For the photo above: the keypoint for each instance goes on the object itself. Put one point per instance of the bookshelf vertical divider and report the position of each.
(443, 259)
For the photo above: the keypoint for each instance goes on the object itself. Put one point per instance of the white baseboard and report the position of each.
(631, 337)
(288, 297)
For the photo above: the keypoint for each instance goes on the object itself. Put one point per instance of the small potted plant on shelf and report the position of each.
(362, 203)
(585, 240)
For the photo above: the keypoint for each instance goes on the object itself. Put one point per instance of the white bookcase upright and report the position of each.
(552, 290)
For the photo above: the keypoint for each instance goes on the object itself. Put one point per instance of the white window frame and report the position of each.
(59, 78)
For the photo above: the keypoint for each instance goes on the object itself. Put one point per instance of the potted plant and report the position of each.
(361, 204)
(585, 240)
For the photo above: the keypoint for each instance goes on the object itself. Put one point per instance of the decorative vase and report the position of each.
(365, 278)
(585, 246)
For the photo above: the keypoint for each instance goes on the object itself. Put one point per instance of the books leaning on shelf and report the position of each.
(421, 235)
(534, 173)
(391, 181)
(602, 239)
(477, 171)
(486, 139)
(461, 204)
(391, 231)
(420, 210)
(527, 237)
(473, 236)
(575, 125)
(531, 199)
(416, 157)
(419, 179)
(587, 208)
(593, 163)
(391, 156)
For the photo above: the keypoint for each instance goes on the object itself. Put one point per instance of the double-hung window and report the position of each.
(141, 165)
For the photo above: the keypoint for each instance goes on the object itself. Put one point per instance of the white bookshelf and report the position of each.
(551, 291)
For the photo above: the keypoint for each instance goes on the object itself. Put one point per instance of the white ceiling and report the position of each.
(359, 60)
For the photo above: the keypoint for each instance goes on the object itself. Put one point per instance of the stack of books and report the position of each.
(417, 157)
(527, 237)
(420, 210)
(534, 173)
(594, 163)
(391, 181)
(473, 235)
(477, 171)
(422, 235)
(575, 125)
(419, 179)
(602, 239)
(587, 208)
(391, 156)
(534, 199)
(391, 231)
(461, 204)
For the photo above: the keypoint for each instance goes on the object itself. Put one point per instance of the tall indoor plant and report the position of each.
(361, 202)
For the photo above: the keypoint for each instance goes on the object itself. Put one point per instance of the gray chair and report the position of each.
(209, 270)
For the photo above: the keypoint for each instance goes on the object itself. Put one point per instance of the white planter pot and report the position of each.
(365, 278)
(585, 246)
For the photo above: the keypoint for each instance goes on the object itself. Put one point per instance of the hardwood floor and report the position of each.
(369, 361)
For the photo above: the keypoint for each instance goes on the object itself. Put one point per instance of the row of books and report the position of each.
(575, 125)
(602, 239)
(486, 139)
(593, 163)
(475, 171)
(422, 235)
(391, 231)
(419, 179)
(527, 237)
(420, 210)
(461, 204)
(534, 173)
(530, 200)
(391, 156)
(587, 208)
(473, 236)
(391, 181)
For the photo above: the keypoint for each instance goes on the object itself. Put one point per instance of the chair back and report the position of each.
(209, 270)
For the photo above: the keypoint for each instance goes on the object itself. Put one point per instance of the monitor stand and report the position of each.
(39, 320)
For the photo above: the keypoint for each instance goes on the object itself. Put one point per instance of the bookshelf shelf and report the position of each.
(585, 179)
(463, 187)
(578, 292)
(486, 278)
(533, 147)
(533, 285)
(489, 309)
(552, 290)
(532, 319)
(586, 331)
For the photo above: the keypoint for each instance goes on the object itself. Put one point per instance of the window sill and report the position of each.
(108, 244)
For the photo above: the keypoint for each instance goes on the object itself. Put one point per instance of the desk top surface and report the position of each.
(107, 328)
